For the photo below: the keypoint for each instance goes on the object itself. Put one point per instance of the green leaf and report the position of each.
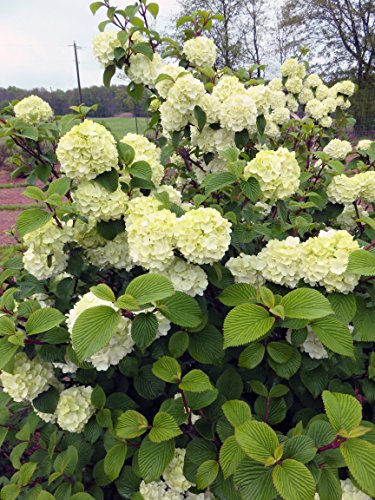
(143, 48)
(153, 458)
(251, 356)
(334, 335)
(237, 294)
(253, 480)
(30, 220)
(364, 321)
(184, 19)
(178, 343)
(149, 288)
(361, 262)
(344, 306)
(231, 455)
(98, 397)
(131, 424)
(34, 193)
(206, 474)
(141, 170)
(108, 74)
(215, 182)
(293, 480)
(127, 302)
(261, 124)
(164, 427)
(206, 346)
(26, 472)
(237, 412)
(109, 180)
(93, 329)
(300, 448)
(144, 328)
(359, 456)
(201, 117)
(95, 6)
(246, 323)
(103, 291)
(66, 461)
(329, 486)
(251, 189)
(47, 401)
(257, 440)
(181, 309)
(306, 303)
(114, 460)
(344, 412)
(196, 381)
(43, 320)
(109, 230)
(199, 400)
(126, 153)
(153, 8)
(278, 391)
(167, 369)
(288, 369)
(280, 352)
(7, 351)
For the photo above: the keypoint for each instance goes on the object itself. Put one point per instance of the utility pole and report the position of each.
(77, 71)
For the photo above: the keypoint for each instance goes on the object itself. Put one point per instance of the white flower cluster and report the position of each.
(86, 151)
(174, 472)
(278, 173)
(311, 346)
(344, 189)
(321, 260)
(151, 235)
(96, 202)
(244, 269)
(33, 110)
(338, 149)
(104, 45)
(185, 277)
(114, 253)
(200, 51)
(203, 235)
(326, 258)
(158, 490)
(347, 219)
(74, 408)
(364, 144)
(121, 342)
(29, 378)
(45, 256)
(281, 262)
(148, 152)
(143, 70)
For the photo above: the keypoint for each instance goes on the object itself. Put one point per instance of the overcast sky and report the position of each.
(35, 35)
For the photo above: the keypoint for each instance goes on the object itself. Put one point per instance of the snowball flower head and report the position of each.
(351, 492)
(228, 86)
(96, 202)
(337, 149)
(244, 269)
(278, 173)
(33, 110)
(325, 260)
(367, 183)
(313, 81)
(281, 262)
(104, 45)
(185, 93)
(345, 87)
(293, 68)
(143, 70)
(344, 189)
(30, 378)
(44, 263)
(86, 151)
(164, 85)
(238, 112)
(347, 219)
(74, 408)
(203, 235)
(315, 109)
(364, 144)
(200, 51)
(294, 85)
(185, 277)
(158, 490)
(174, 475)
(311, 346)
(114, 253)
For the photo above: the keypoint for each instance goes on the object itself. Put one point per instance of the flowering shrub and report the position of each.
(192, 315)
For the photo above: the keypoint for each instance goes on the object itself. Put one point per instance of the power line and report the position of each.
(77, 70)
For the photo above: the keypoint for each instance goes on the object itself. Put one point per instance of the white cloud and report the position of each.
(35, 39)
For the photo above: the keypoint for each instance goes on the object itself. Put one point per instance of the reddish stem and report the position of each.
(266, 411)
(336, 443)
(372, 244)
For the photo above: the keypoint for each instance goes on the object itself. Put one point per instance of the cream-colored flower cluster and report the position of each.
(203, 235)
(151, 235)
(200, 51)
(326, 258)
(311, 346)
(158, 490)
(281, 262)
(338, 149)
(146, 151)
(348, 217)
(33, 110)
(244, 269)
(29, 378)
(86, 151)
(143, 70)
(185, 277)
(344, 189)
(114, 253)
(96, 202)
(174, 472)
(45, 256)
(104, 45)
(121, 342)
(74, 408)
(364, 144)
(278, 173)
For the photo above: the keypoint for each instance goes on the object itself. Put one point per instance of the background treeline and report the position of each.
(111, 101)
